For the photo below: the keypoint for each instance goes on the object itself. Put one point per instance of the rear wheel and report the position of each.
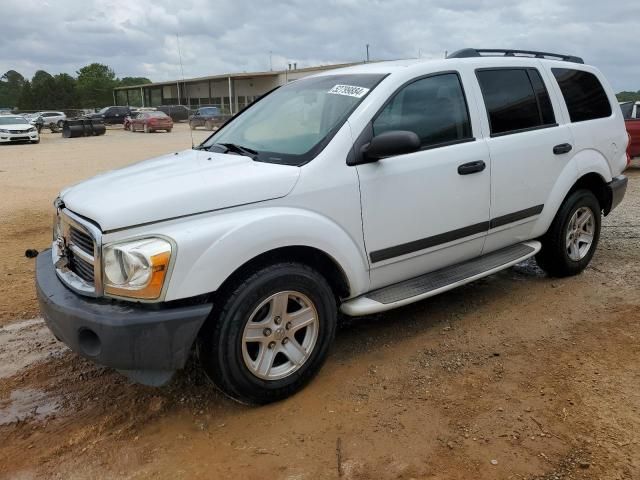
(271, 334)
(569, 245)
(168, 130)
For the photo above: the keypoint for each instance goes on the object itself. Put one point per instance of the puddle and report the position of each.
(26, 404)
(24, 343)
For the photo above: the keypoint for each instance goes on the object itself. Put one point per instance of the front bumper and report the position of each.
(18, 137)
(141, 340)
(617, 188)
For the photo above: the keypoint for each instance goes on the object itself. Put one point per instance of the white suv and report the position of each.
(356, 190)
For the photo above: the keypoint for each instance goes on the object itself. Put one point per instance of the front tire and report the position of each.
(271, 334)
(571, 241)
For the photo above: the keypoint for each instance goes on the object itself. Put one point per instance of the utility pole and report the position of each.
(367, 53)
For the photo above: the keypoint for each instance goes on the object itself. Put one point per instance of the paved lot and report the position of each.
(514, 376)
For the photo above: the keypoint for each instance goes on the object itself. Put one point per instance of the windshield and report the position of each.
(12, 120)
(158, 115)
(626, 108)
(103, 110)
(293, 124)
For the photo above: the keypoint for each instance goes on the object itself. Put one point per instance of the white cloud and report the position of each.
(139, 38)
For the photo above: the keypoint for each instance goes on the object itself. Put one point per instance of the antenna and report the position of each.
(183, 83)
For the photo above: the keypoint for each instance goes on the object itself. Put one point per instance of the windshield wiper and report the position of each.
(233, 147)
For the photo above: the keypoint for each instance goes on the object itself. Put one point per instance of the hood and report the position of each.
(16, 126)
(175, 185)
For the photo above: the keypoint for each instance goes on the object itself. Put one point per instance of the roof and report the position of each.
(271, 73)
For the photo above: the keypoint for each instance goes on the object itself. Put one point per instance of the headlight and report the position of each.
(31, 130)
(136, 269)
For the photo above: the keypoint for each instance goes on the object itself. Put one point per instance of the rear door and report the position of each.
(529, 145)
(420, 212)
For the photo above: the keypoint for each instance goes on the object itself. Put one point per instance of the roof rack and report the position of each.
(481, 52)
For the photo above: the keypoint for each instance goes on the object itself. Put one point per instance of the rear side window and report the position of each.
(516, 99)
(433, 107)
(583, 94)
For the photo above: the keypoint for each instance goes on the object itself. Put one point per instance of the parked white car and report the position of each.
(16, 128)
(356, 190)
(49, 117)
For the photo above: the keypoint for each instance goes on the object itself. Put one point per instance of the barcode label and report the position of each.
(349, 90)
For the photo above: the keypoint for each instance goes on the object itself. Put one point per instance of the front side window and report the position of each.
(516, 99)
(434, 108)
(292, 124)
(583, 94)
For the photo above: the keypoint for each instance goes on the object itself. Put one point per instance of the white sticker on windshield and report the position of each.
(349, 90)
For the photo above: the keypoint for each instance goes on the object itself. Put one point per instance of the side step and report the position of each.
(433, 283)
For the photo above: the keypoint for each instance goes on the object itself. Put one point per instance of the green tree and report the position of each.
(43, 91)
(95, 85)
(132, 81)
(10, 86)
(25, 101)
(66, 91)
(628, 96)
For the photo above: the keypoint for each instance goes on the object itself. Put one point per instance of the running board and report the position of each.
(433, 283)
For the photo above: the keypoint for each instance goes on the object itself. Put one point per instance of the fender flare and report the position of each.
(246, 235)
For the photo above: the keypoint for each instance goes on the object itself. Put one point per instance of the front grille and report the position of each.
(81, 240)
(81, 267)
(17, 131)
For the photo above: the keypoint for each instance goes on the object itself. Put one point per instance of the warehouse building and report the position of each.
(229, 92)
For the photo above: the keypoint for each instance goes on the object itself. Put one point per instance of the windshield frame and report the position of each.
(299, 160)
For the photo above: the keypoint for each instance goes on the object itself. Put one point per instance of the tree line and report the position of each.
(92, 87)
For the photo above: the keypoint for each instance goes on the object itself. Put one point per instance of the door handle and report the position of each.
(562, 148)
(471, 167)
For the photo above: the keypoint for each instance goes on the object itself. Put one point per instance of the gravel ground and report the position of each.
(516, 376)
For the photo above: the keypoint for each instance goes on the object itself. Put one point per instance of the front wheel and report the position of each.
(572, 238)
(271, 335)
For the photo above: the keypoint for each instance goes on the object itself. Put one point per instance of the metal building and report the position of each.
(229, 92)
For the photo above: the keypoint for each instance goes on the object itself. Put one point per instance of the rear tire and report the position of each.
(254, 348)
(571, 241)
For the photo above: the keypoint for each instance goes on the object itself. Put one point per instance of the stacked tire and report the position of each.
(83, 127)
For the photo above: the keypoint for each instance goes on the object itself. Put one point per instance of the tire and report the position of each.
(565, 249)
(60, 123)
(233, 363)
(168, 130)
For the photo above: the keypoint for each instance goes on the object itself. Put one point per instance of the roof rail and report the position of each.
(481, 52)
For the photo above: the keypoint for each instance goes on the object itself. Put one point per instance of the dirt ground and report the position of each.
(516, 376)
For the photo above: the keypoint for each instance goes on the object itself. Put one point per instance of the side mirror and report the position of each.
(390, 144)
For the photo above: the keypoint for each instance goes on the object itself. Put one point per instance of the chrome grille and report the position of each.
(81, 267)
(81, 240)
(76, 253)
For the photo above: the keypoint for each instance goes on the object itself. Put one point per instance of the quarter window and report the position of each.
(433, 107)
(516, 99)
(583, 94)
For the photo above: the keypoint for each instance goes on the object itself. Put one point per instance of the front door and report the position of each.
(428, 209)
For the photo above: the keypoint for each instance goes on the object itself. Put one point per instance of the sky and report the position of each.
(140, 37)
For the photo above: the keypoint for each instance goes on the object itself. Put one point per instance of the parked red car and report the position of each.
(631, 114)
(151, 121)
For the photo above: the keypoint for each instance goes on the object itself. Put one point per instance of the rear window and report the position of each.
(158, 114)
(583, 94)
(516, 100)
